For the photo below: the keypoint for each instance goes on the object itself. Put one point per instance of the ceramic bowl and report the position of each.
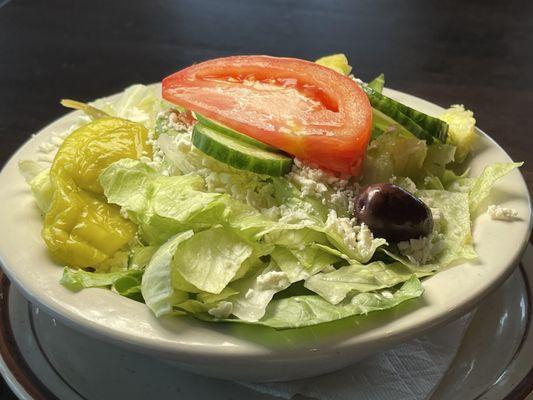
(231, 351)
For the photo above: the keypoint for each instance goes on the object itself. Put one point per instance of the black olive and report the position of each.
(393, 213)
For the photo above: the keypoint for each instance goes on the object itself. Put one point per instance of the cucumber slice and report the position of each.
(435, 126)
(387, 106)
(419, 124)
(239, 154)
(226, 130)
(383, 122)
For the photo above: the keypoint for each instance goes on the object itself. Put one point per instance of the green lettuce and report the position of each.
(126, 283)
(138, 103)
(334, 286)
(38, 178)
(394, 154)
(377, 83)
(253, 296)
(301, 264)
(337, 62)
(454, 228)
(183, 158)
(481, 186)
(300, 311)
(211, 258)
(165, 205)
(157, 289)
(362, 250)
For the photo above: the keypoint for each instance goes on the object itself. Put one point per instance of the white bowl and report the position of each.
(232, 351)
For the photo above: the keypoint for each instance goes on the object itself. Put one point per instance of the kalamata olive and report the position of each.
(393, 213)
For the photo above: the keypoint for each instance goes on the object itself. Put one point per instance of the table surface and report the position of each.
(448, 52)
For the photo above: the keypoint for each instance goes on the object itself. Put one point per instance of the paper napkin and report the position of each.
(409, 371)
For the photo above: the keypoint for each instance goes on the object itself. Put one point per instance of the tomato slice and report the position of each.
(305, 109)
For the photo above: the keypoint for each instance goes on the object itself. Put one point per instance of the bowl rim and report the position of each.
(185, 351)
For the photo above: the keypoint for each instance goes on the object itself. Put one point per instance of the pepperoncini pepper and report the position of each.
(81, 229)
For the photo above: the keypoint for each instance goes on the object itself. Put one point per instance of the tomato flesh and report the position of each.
(307, 110)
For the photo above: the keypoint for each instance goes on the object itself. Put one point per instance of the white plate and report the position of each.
(493, 362)
(254, 353)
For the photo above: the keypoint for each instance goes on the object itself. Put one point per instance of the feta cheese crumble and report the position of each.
(297, 216)
(47, 150)
(331, 190)
(358, 238)
(364, 239)
(500, 213)
(158, 155)
(422, 250)
(344, 227)
(222, 310)
(418, 251)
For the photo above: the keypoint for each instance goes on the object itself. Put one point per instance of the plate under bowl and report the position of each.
(253, 353)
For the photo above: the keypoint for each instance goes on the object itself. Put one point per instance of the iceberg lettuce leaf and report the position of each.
(300, 311)
(38, 178)
(126, 283)
(163, 206)
(336, 285)
(211, 258)
(482, 184)
(256, 292)
(301, 264)
(156, 287)
(454, 227)
(138, 103)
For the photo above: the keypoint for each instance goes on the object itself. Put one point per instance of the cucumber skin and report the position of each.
(419, 124)
(435, 126)
(234, 134)
(382, 104)
(208, 144)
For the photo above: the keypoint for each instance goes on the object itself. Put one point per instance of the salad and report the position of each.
(260, 190)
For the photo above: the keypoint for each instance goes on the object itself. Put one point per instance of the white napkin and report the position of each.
(409, 371)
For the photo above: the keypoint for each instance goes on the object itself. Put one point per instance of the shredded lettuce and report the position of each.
(337, 62)
(394, 154)
(377, 83)
(138, 103)
(453, 230)
(37, 176)
(41, 188)
(183, 158)
(156, 287)
(482, 185)
(334, 286)
(125, 283)
(219, 259)
(462, 131)
(163, 206)
(300, 264)
(211, 259)
(256, 292)
(300, 311)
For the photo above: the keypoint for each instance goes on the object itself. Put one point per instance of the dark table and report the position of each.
(473, 53)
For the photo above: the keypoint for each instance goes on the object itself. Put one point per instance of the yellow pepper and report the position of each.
(81, 229)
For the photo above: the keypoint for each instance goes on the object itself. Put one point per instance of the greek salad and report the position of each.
(260, 190)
